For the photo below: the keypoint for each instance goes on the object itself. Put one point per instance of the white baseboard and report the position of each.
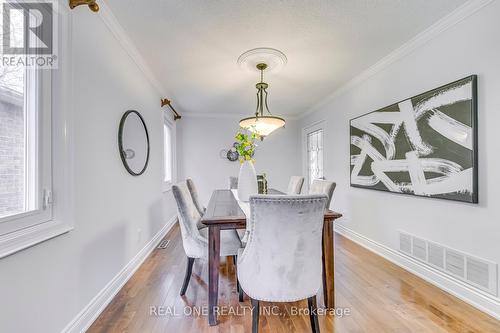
(89, 314)
(475, 297)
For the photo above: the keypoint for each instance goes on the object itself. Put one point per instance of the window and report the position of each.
(36, 141)
(168, 152)
(315, 155)
(167, 143)
(25, 143)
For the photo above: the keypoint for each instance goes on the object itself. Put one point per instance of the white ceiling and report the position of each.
(192, 45)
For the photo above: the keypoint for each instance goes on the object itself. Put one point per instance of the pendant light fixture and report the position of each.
(262, 123)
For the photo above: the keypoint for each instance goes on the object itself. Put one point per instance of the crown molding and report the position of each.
(121, 35)
(453, 18)
(213, 115)
(228, 115)
(456, 16)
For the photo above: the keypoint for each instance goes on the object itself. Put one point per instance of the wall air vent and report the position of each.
(405, 243)
(419, 249)
(164, 244)
(479, 273)
(436, 255)
(455, 263)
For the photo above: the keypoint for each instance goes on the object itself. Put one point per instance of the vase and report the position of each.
(247, 181)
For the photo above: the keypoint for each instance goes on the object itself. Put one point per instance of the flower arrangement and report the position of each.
(246, 145)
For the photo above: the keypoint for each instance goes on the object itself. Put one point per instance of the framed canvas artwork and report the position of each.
(425, 145)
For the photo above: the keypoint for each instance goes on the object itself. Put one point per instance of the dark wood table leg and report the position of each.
(328, 264)
(213, 272)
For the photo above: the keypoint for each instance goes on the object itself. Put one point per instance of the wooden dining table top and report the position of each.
(223, 208)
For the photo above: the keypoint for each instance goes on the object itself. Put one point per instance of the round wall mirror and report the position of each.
(133, 142)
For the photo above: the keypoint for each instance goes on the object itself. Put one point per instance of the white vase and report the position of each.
(247, 181)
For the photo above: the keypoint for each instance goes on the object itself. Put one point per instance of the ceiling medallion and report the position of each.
(274, 59)
(262, 124)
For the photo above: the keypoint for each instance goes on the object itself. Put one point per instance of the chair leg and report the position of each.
(189, 269)
(313, 315)
(255, 316)
(235, 259)
(241, 297)
(238, 289)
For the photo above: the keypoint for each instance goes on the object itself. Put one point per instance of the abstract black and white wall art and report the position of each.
(425, 145)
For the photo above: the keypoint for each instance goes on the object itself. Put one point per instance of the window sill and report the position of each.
(25, 238)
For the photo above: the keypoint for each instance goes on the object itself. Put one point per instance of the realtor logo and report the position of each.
(29, 33)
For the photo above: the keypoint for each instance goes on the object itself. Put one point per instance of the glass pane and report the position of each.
(16, 190)
(315, 155)
(320, 155)
(167, 142)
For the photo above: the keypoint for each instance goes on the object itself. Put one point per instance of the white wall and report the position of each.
(200, 139)
(470, 47)
(44, 287)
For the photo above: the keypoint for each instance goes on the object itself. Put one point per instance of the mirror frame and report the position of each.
(120, 142)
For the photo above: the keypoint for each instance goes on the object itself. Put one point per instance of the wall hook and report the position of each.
(91, 3)
(165, 101)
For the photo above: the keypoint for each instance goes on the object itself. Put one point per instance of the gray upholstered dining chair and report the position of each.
(320, 186)
(194, 240)
(233, 183)
(196, 201)
(283, 264)
(295, 185)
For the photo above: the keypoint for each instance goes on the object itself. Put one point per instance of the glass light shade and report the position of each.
(262, 125)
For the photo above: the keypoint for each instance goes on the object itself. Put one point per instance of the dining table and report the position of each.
(225, 211)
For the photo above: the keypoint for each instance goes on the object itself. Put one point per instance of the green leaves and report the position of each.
(246, 145)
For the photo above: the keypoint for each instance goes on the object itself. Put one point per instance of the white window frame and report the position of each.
(38, 185)
(55, 162)
(170, 123)
(316, 126)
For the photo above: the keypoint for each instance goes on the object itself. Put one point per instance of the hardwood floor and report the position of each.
(381, 297)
